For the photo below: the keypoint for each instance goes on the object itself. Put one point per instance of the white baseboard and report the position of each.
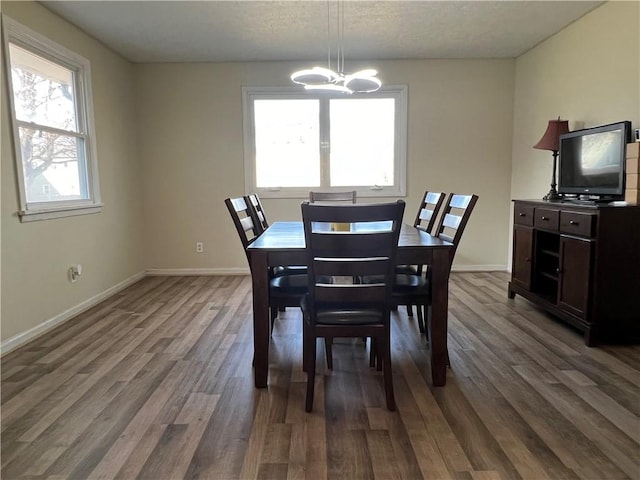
(24, 337)
(479, 268)
(197, 271)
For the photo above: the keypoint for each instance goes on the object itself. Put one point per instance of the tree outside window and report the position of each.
(56, 165)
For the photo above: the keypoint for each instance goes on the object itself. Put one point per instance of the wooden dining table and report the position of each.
(283, 244)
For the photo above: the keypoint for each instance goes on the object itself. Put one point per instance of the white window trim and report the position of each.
(25, 37)
(399, 92)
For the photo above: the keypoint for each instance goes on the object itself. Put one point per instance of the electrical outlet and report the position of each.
(74, 273)
(199, 247)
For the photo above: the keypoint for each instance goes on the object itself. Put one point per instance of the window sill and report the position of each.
(304, 193)
(59, 212)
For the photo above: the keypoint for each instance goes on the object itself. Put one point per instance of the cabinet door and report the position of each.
(522, 252)
(575, 275)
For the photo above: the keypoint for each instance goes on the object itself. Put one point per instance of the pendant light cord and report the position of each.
(328, 35)
(340, 36)
(341, 14)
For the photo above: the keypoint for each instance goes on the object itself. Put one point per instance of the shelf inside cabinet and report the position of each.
(549, 275)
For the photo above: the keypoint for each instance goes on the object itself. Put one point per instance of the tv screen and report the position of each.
(592, 160)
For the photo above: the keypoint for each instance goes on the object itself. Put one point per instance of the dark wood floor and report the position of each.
(156, 383)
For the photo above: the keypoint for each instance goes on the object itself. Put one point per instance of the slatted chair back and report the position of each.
(348, 197)
(257, 212)
(242, 220)
(454, 218)
(428, 211)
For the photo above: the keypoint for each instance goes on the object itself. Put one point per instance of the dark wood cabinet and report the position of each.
(574, 275)
(581, 263)
(522, 256)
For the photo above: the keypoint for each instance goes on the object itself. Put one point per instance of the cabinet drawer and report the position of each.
(523, 215)
(582, 224)
(547, 219)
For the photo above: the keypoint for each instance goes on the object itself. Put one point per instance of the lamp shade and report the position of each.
(551, 138)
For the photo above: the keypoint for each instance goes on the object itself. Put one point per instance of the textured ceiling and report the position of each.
(199, 31)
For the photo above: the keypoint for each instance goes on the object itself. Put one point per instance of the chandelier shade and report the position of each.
(314, 76)
(363, 81)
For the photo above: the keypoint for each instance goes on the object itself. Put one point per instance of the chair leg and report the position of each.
(305, 346)
(311, 371)
(427, 310)
(379, 351)
(410, 311)
(372, 353)
(328, 343)
(385, 352)
(274, 314)
(420, 318)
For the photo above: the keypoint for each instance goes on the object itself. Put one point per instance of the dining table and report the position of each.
(283, 244)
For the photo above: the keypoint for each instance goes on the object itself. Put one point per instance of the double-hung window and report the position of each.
(297, 141)
(50, 91)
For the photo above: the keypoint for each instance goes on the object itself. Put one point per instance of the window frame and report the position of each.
(397, 92)
(23, 37)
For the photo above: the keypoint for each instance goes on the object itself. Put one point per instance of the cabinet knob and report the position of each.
(522, 214)
(558, 271)
(545, 218)
(573, 222)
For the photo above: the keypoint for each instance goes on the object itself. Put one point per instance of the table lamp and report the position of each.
(551, 141)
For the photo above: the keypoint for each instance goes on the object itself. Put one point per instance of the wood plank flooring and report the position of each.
(156, 383)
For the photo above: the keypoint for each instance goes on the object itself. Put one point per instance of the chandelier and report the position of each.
(321, 78)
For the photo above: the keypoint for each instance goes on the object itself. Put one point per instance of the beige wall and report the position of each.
(36, 256)
(459, 139)
(170, 141)
(589, 74)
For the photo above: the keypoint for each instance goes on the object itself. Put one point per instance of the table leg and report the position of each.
(439, 311)
(260, 283)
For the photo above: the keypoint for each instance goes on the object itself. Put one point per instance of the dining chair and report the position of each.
(349, 309)
(428, 211)
(425, 220)
(257, 212)
(261, 224)
(315, 197)
(284, 290)
(415, 288)
(242, 220)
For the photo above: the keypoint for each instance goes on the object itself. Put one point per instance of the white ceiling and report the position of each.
(204, 31)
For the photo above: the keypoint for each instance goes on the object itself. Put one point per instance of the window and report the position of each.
(297, 141)
(50, 93)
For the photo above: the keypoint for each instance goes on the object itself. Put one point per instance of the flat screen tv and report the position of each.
(592, 160)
